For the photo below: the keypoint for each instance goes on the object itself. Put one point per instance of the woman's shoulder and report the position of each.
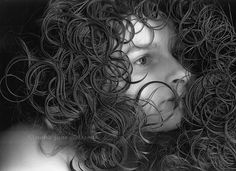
(20, 150)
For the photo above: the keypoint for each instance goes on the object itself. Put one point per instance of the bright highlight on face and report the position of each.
(153, 64)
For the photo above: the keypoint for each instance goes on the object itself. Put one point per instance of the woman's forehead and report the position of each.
(147, 34)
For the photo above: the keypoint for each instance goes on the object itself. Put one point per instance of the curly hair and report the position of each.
(74, 82)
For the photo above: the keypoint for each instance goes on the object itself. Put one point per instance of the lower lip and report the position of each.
(170, 113)
(165, 108)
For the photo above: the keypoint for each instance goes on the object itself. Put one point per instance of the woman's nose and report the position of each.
(178, 79)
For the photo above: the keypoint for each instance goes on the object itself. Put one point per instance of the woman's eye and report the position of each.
(142, 61)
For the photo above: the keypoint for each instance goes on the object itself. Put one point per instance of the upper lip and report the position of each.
(160, 106)
(173, 98)
(169, 99)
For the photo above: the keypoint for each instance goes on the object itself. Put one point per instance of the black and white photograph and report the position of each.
(117, 85)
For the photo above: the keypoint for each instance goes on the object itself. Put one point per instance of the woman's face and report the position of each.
(154, 62)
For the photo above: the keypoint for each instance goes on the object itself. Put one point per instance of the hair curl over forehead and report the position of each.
(75, 83)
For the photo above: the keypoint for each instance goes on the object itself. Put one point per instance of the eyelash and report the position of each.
(146, 57)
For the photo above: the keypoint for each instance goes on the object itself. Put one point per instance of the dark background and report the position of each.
(18, 19)
(21, 18)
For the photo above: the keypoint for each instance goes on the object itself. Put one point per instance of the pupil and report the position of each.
(143, 60)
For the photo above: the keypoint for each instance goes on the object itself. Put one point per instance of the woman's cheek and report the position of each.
(149, 99)
(134, 88)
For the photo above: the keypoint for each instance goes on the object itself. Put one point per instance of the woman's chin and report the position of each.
(171, 120)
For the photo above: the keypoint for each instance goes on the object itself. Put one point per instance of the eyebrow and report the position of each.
(151, 46)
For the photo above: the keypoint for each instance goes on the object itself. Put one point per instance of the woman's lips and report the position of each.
(169, 108)
(166, 106)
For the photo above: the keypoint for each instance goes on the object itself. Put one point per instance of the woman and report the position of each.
(133, 85)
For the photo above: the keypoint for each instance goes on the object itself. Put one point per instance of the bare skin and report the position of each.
(20, 151)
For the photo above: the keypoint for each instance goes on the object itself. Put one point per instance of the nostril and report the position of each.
(180, 77)
(178, 81)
